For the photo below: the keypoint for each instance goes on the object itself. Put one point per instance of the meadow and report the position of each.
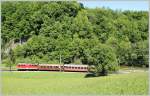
(69, 84)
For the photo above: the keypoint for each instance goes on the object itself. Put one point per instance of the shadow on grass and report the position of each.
(89, 75)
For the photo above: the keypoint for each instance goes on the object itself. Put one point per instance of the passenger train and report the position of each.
(52, 67)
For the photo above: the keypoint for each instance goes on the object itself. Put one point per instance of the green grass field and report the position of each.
(56, 83)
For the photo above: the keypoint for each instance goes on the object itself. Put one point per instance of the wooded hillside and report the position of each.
(44, 31)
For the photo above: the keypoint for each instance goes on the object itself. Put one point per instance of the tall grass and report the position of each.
(27, 83)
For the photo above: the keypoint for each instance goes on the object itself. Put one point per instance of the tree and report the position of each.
(103, 58)
(11, 58)
(68, 28)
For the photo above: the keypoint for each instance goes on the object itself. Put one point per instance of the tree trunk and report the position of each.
(10, 67)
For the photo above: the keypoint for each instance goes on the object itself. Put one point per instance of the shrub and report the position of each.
(103, 58)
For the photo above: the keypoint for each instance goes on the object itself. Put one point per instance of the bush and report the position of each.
(103, 58)
(6, 62)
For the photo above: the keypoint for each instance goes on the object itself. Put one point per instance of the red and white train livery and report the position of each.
(53, 67)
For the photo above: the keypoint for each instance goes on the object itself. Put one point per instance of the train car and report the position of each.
(49, 67)
(53, 67)
(75, 68)
(26, 66)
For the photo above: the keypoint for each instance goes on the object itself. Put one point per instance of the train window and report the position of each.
(81, 67)
(78, 67)
(69, 67)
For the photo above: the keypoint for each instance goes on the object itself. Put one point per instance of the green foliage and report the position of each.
(103, 58)
(48, 30)
(6, 62)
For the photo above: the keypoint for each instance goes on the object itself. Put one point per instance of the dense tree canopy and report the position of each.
(47, 30)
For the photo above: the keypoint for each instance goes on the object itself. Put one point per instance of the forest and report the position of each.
(42, 32)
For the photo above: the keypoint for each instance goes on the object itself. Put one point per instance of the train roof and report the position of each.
(76, 65)
(50, 64)
(26, 64)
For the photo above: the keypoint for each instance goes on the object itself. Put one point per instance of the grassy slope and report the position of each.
(73, 83)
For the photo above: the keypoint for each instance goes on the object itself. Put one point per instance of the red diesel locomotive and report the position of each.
(53, 67)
